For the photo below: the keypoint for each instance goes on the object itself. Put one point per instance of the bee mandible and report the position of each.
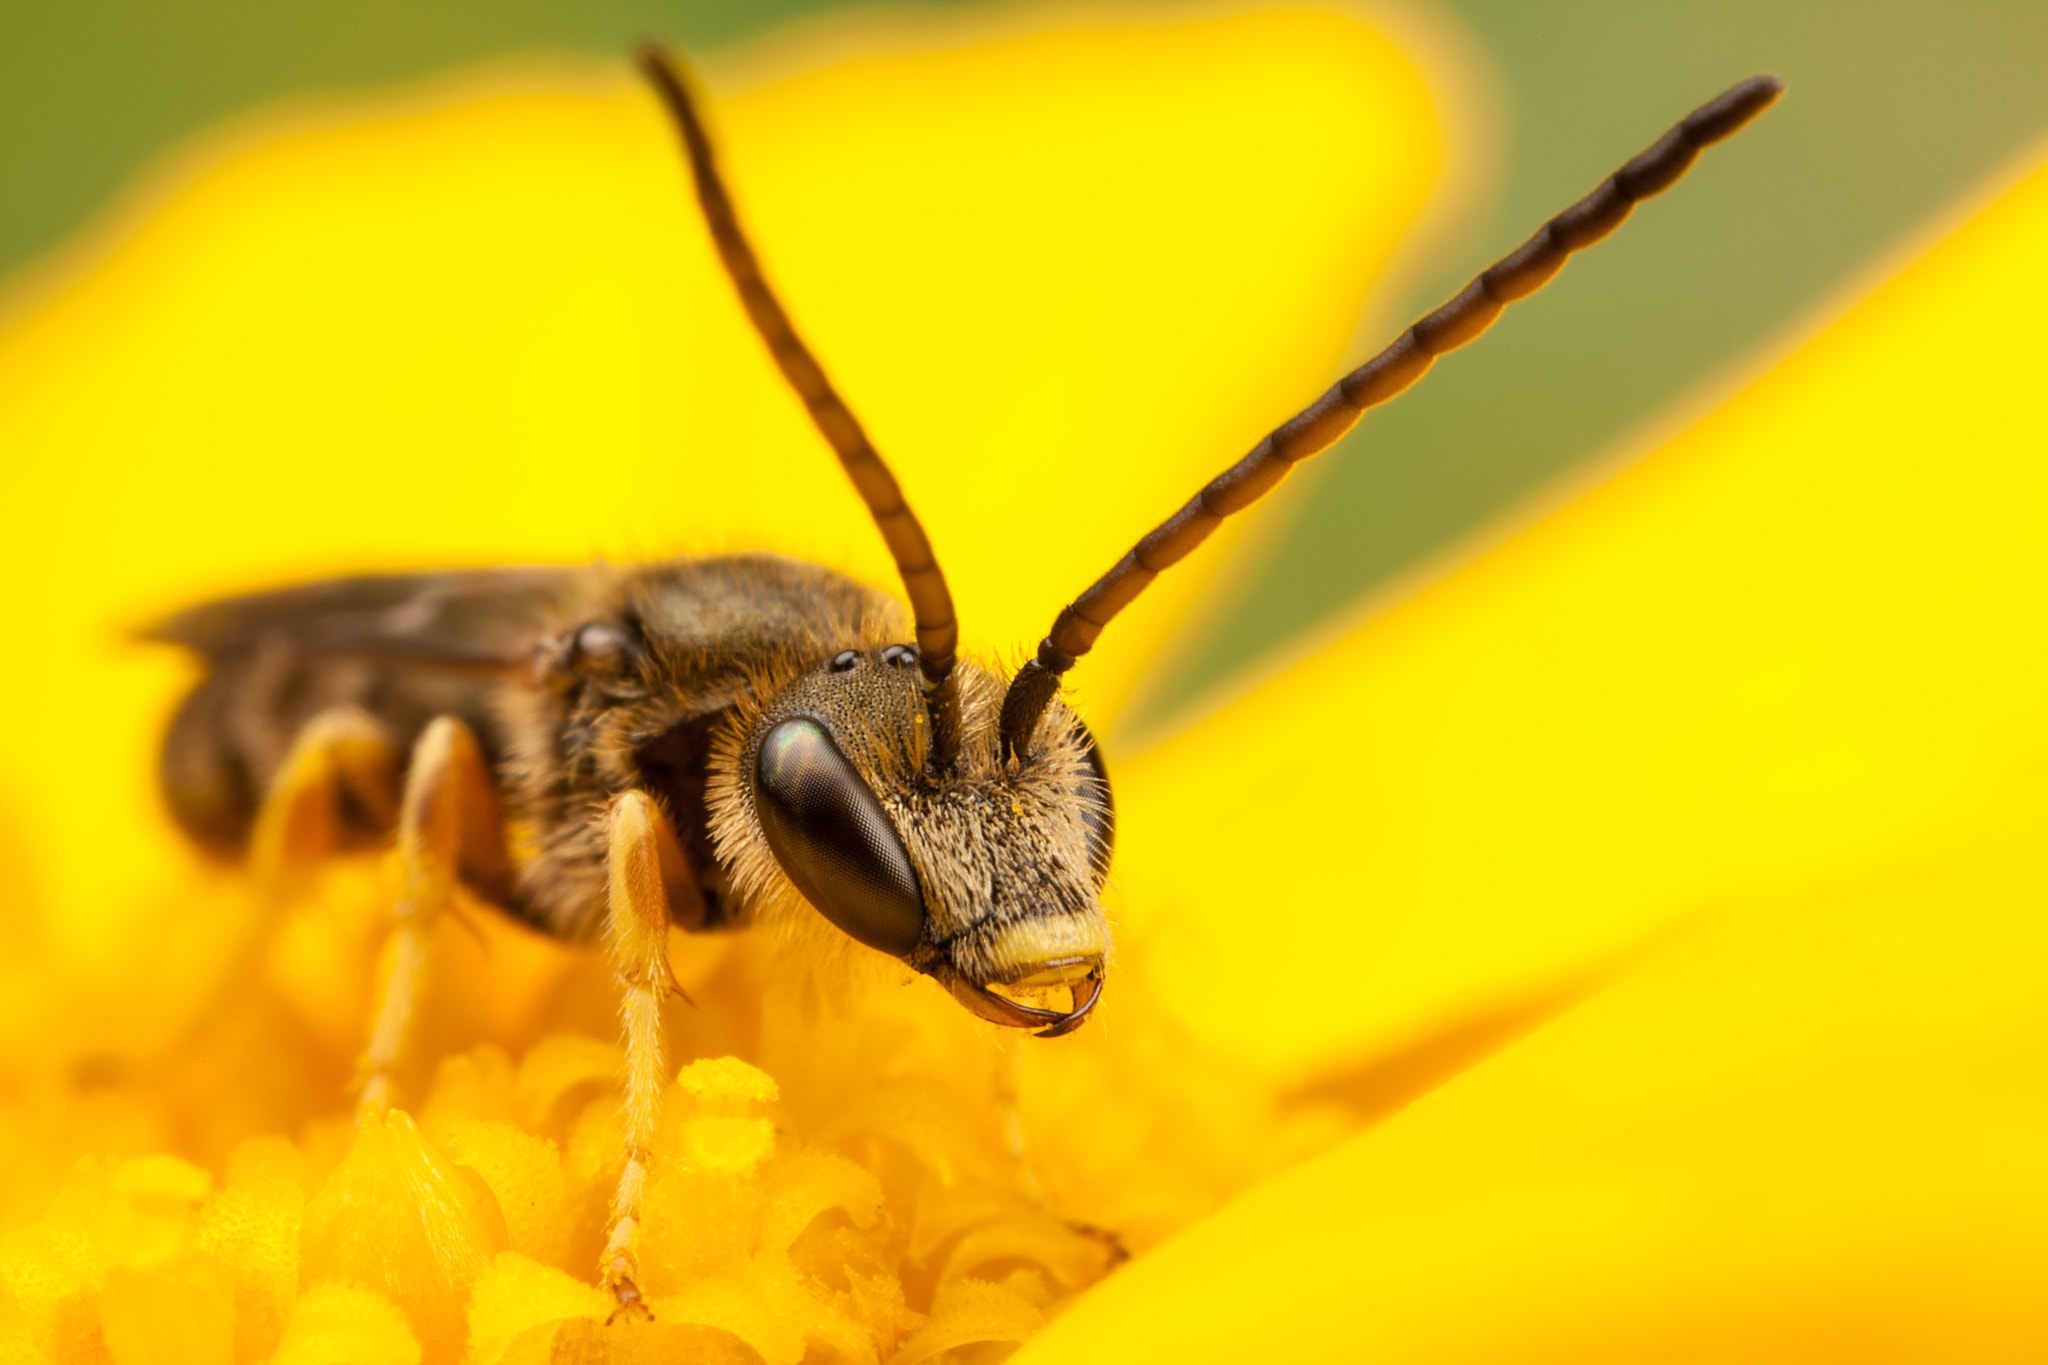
(727, 740)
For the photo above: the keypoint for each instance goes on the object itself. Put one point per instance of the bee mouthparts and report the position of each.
(1083, 980)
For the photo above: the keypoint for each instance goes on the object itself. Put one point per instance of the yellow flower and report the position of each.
(1684, 850)
(1723, 791)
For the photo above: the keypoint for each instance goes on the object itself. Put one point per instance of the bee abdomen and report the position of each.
(236, 729)
(206, 781)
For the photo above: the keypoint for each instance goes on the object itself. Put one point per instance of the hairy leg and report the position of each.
(638, 939)
(448, 829)
(342, 772)
(337, 785)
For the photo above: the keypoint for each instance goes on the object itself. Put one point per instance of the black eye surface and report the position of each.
(1100, 809)
(833, 839)
(844, 660)
(899, 656)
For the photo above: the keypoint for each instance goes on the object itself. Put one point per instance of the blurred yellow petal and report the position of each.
(342, 1324)
(1813, 1131)
(117, 1264)
(161, 1180)
(17, 1335)
(152, 1206)
(54, 1268)
(251, 1230)
(1789, 676)
(172, 1314)
(1816, 619)
(481, 1084)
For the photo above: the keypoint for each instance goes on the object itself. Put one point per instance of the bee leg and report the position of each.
(448, 828)
(641, 841)
(339, 779)
(342, 770)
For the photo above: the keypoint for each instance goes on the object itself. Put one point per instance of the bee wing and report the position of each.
(482, 618)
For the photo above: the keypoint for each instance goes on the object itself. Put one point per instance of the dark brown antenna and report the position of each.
(931, 604)
(1516, 275)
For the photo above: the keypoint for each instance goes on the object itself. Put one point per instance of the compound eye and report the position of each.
(833, 839)
(1099, 810)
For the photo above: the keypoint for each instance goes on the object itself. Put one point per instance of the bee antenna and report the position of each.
(1516, 275)
(931, 603)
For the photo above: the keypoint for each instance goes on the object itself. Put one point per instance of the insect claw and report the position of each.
(675, 983)
(632, 1307)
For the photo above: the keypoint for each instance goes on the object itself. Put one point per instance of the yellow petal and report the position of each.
(580, 1341)
(399, 1219)
(803, 1185)
(480, 1084)
(524, 1173)
(153, 1207)
(716, 1081)
(972, 1311)
(176, 1313)
(726, 1146)
(695, 1223)
(1811, 1131)
(1816, 618)
(54, 1268)
(115, 1257)
(763, 1310)
(251, 1230)
(343, 1324)
(515, 1295)
(1047, 1241)
(560, 1063)
(596, 1147)
(18, 1337)
(160, 1181)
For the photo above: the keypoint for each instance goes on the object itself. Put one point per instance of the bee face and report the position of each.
(986, 876)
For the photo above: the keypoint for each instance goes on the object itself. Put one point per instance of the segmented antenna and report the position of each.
(931, 604)
(1516, 275)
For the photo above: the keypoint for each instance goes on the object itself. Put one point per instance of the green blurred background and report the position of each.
(1897, 110)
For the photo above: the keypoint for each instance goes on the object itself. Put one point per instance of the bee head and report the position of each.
(910, 828)
(984, 874)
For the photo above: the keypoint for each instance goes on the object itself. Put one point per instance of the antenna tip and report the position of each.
(1725, 114)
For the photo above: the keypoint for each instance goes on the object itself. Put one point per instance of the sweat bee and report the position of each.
(710, 742)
